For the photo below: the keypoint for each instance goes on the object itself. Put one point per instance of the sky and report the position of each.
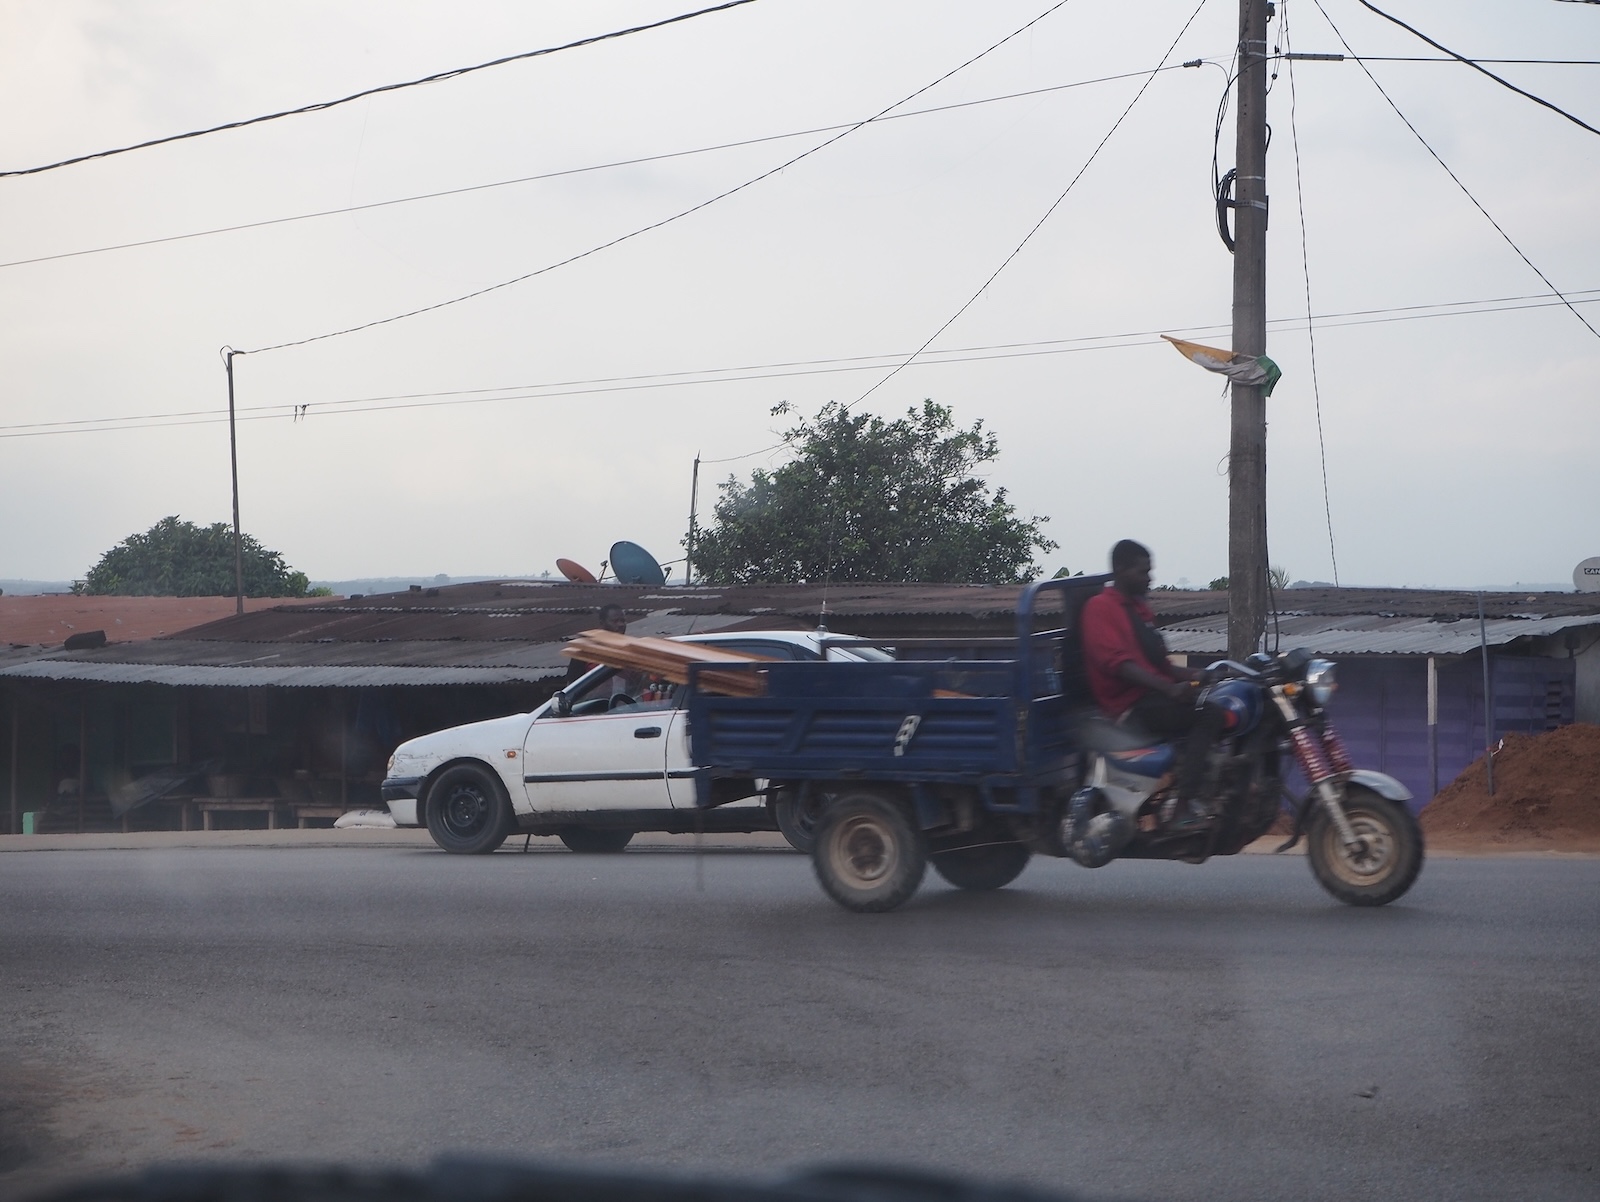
(554, 416)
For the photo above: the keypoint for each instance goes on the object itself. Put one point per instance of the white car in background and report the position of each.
(605, 758)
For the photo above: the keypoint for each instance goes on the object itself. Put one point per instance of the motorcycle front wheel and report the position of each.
(1383, 863)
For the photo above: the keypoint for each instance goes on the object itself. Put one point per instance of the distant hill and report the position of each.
(367, 585)
(33, 588)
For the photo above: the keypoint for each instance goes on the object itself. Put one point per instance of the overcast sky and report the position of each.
(559, 414)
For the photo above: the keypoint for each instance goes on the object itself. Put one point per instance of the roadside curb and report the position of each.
(356, 836)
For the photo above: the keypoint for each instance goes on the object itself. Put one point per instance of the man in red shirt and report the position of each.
(1133, 681)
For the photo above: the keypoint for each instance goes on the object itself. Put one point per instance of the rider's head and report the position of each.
(1130, 567)
(613, 618)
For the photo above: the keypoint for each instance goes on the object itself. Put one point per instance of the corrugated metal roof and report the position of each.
(343, 676)
(329, 663)
(508, 631)
(1373, 635)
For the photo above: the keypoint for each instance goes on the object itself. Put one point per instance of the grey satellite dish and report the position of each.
(1586, 576)
(634, 565)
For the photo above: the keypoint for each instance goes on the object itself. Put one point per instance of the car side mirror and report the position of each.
(561, 704)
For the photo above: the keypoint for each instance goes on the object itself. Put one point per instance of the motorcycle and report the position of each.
(1364, 845)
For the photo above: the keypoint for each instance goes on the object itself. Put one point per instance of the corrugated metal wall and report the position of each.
(1381, 709)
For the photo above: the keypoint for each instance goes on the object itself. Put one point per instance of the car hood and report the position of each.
(416, 756)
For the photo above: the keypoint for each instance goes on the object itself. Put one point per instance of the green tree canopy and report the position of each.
(175, 558)
(869, 499)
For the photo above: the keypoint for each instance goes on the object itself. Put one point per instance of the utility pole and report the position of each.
(1247, 448)
(694, 498)
(233, 457)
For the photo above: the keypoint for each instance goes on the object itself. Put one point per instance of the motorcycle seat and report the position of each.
(1124, 744)
(1146, 761)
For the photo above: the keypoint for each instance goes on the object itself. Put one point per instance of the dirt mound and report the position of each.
(1546, 796)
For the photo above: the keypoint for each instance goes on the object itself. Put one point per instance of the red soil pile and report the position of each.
(1546, 796)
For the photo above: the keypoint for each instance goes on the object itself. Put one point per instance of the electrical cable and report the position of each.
(1311, 335)
(971, 300)
(1474, 64)
(1309, 56)
(762, 371)
(320, 106)
(1457, 180)
(528, 179)
(655, 225)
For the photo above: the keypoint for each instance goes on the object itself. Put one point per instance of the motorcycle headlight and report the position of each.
(1321, 681)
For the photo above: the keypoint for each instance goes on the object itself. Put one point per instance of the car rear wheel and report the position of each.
(468, 810)
(594, 841)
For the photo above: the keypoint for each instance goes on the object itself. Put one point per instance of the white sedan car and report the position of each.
(605, 758)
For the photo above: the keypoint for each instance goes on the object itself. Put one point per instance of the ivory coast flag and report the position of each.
(1260, 371)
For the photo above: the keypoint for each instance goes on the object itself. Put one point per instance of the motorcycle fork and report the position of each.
(1315, 762)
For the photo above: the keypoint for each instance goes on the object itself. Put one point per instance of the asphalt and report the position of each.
(1141, 1031)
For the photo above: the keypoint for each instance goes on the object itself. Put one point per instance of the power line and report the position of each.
(655, 225)
(1311, 335)
(971, 300)
(787, 369)
(1464, 189)
(1310, 56)
(528, 179)
(320, 106)
(1504, 83)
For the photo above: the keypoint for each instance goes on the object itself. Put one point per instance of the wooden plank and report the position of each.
(670, 660)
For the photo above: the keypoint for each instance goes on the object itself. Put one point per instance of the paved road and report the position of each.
(1148, 1030)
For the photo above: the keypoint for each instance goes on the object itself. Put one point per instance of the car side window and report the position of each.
(621, 689)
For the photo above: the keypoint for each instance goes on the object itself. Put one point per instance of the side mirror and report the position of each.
(561, 704)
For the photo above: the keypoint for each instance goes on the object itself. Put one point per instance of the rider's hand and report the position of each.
(1179, 690)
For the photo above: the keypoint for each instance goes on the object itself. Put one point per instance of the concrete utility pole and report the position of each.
(233, 459)
(1247, 453)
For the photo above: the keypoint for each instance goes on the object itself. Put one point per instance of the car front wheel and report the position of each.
(468, 811)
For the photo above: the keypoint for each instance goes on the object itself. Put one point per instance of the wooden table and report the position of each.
(238, 805)
(311, 809)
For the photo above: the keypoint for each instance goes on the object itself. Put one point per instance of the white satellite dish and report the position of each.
(1586, 576)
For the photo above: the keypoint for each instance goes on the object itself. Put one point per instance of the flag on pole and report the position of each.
(1260, 371)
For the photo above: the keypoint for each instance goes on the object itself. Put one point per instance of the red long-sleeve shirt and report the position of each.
(1109, 642)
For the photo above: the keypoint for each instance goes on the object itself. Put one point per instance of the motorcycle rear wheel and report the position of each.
(1382, 866)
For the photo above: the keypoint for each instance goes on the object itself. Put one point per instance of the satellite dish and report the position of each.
(634, 565)
(1586, 576)
(575, 571)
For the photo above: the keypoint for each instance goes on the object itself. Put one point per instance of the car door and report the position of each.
(680, 769)
(610, 753)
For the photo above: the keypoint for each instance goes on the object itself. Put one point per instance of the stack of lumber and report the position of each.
(664, 659)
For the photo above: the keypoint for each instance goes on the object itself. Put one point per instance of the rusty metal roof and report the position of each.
(511, 631)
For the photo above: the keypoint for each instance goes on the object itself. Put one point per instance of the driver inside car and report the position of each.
(1135, 683)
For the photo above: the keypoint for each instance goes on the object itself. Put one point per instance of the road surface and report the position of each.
(1156, 1031)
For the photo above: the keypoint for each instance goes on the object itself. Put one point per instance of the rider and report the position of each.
(1133, 679)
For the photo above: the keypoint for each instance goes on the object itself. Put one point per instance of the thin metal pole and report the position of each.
(83, 755)
(233, 455)
(1433, 727)
(1488, 699)
(16, 719)
(344, 753)
(694, 497)
(1247, 447)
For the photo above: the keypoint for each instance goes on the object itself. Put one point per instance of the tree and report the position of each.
(870, 499)
(175, 558)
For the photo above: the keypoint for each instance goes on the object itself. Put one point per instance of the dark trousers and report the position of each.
(1197, 727)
